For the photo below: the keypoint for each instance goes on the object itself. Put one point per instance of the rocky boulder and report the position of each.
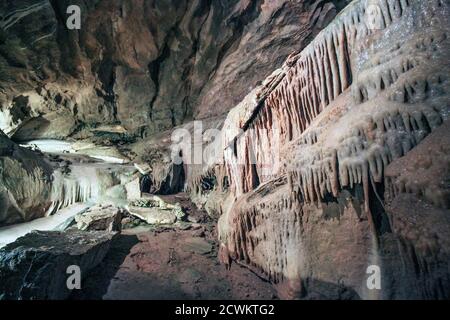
(35, 267)
(100, 218)
(25, 183)
(133, 189)
(153, 215)
(154, 210)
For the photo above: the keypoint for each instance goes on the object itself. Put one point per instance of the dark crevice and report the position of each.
(376, 204)
(238, 25)
(154, 69)
(203, 10)
(107, 76)
(334, 207)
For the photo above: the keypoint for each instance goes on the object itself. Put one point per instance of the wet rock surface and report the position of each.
(35, 266)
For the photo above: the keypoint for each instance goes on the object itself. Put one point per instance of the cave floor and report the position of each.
(167, 263)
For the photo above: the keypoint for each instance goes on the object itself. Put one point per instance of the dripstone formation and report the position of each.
(312, 158)
(333, 158)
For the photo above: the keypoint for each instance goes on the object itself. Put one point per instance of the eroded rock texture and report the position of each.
(148, 65)
(34, 186)
(306, 155)
(25, 183)
(417, 198)
(336, 162)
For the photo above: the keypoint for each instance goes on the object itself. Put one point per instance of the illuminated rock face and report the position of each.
(148, 65)
(25, 183)
(311, 213)
(32, 186)
(140, 66)
(335, 164)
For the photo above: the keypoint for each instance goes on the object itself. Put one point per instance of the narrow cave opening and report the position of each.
(146, 184)
(377, 208)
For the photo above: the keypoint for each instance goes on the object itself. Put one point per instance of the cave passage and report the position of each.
(224, 150)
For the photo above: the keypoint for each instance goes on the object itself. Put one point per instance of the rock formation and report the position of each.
(148, 65)
(335, 165)
(306, 155)
(25, 183)
(36, 266)
(34, 186)
(100, 218)
(155, 211)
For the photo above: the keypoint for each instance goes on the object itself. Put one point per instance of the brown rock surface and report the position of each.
(156, 265)
(417, 195)
(149, 65)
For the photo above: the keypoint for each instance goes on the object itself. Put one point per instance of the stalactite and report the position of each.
(317, 77)
(353, 101)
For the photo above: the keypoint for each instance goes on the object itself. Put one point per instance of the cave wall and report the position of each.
(25, 183)
(148, 65)
(306, 154)
(331, 163)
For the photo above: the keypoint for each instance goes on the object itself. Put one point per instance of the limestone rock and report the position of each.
(424, 171)
(154, 210)
(35, 266)
(326, 166)
(417, 203)
(155, 201)
(153, 215)
(117, 192)
(133, 189)
(25, 183)
(165, 61)
(143, 168)
(100, 218)
(165, 177)
(306, 155)
(53, 125)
